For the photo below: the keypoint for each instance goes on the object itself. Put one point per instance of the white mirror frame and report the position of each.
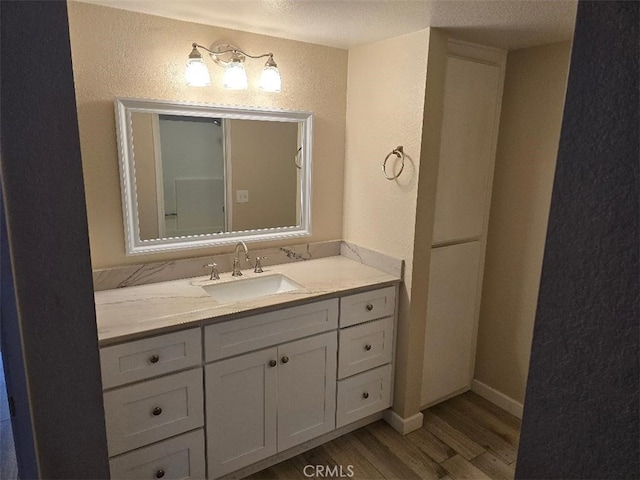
(134, 244)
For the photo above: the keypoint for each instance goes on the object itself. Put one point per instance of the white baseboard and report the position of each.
(403, 425)
(497, 398)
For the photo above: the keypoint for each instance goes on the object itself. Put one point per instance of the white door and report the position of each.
(450, 335)
(241, 411)
(472, 94)
(306, 389)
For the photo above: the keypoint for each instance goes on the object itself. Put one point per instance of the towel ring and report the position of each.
(296, 158)
(398, 152)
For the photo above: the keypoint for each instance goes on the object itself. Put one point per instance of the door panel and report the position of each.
(306, 389)
(466, 152)
(451, 320)
(241, 411)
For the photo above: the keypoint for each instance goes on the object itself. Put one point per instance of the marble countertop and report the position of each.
(135, 312)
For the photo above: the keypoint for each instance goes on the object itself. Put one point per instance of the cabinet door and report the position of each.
(363, 394)
(241, 411)
(150, 357)
(149, 411)
(306, 389)
(450, 334)
(471, 99)
(178, 458)
(365, 346)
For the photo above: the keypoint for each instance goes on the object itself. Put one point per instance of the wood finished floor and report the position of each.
(466, 437)
(8, 466)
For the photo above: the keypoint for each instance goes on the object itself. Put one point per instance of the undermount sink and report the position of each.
(250, 288)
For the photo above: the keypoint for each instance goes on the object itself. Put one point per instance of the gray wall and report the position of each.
(52, 306)
(581, 407)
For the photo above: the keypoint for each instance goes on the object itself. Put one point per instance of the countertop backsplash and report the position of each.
(132, 275)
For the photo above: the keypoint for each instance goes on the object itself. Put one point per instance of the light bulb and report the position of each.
(270, 80)
(235, 76)
(197, 73)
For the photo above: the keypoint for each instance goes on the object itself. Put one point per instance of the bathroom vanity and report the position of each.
(195, 387)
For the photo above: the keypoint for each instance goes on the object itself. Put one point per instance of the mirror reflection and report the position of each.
(196, 175)
(204, 175)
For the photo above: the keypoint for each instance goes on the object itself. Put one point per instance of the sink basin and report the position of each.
(250, 288)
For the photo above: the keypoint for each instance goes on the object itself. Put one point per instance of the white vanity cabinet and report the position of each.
(265, 402)
(154, 426)
(264, 382)
(179, 457)
(365, 354)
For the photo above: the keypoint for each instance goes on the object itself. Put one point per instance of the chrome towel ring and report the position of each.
(398, 152)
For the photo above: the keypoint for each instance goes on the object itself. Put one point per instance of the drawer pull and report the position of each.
(367, 347)
(285, 359)
(273, 363)
(156, 411)
(154, 358)
(160, 473)
(369, 307)
(365, 395)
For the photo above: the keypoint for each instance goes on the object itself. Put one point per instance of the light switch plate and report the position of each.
(242, 196)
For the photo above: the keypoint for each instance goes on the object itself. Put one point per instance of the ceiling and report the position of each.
(508, 24)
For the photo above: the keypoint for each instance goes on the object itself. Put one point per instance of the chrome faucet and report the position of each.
(236, 259)
(214, 271)
(258, 267)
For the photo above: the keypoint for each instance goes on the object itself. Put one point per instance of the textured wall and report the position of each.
(581, 409)
(532, 104)
(385, 108)
(125, 54)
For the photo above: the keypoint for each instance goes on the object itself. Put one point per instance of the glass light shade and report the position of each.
(270, 80)
(235, 76)
(197, 73)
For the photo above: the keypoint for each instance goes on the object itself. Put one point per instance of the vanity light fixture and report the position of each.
(232, 59)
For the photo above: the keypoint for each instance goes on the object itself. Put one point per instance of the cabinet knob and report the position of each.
(369, 307)
(272, 363)
(285, 359)
(156, 411)
(154, 358)
(367, 347)
(160, 473)
(365, 395)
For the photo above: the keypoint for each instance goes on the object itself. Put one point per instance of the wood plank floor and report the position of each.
(8, 465)
(466, 437)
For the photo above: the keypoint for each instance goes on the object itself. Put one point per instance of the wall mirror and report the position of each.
(195, 175)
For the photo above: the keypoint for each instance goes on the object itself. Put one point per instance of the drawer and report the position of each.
(258, 331)
(365, 346)
(363, 395)
(180, 457)
(144, 413)
(366, 306)
(142, 359)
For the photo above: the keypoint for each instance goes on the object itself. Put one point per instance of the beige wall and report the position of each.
(125, 54)
(386, 108)
(532, 106)
(144, 145)
(263, 155)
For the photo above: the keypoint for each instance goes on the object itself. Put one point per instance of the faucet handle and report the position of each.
(258, 268)
(214, 271)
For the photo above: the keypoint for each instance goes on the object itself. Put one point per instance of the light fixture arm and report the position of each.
(231, 50)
